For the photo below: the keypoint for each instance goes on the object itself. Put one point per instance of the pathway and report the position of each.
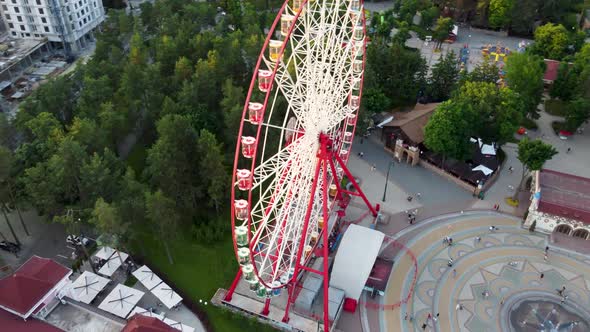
(484, 265)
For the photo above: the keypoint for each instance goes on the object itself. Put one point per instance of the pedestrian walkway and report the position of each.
(497, 269)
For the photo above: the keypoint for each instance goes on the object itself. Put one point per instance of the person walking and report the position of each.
(542, 276)
(545, 257)
(435, 318)
(568, 150)
(406, 316)
(477, 239)
(454, 273)
(560, 291)
(418, 195)
(450, 241)
(546, 249)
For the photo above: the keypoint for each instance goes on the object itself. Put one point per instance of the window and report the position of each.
(26, 2)
(14, 33)
(7, 17)
(4, 8)
(39, 2)
(14, 1)
(28, 34)
(22, 27)
(41, 11)
(46, 29)
(34, 28)
(30, 19)
(95, 5)
(18, 18)
(37, 35)
(70, 16)
(73, 26)
(10, 25)
(16, 10)
(43, 19)
(28, 10)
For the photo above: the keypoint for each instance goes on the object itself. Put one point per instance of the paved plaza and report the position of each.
(492, 276)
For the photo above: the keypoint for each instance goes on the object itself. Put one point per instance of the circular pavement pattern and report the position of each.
(489, 278)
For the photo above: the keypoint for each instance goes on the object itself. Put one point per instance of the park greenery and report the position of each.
(532, 154)
(136, 142)
(519, 17)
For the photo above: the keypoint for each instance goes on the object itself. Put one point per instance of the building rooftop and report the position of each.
(412, 123)
(12, 323)
(565, 195)
(140, 323)
(551, 70)
(22, 291)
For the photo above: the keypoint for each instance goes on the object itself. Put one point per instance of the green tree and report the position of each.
(494, 113)
(396, 71)
(212, 168)
(486, 71)
(164, 217)
(523, 16)
(232, 106)
(107, 219)
(5, 196)
(500, 11)
(444, 77)
(524, 75)
(7, 192)
(551, 41)
(171, 162)
(448, 131)
(578, 111)
(532, 155)
(99, 177)
(566, 84)
(440, 33)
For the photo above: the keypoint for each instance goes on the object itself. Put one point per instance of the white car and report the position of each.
(76, 240)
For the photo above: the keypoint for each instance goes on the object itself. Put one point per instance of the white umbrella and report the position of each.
(165, 294)
(121, 300)
(144, 312)
(87, 286)
(147, 277)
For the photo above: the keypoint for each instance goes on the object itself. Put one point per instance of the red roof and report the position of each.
(565, 195)
(21, 291)
(12, 323)
(551, 71)
(141, 323)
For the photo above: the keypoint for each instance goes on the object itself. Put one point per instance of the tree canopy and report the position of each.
(524, 75)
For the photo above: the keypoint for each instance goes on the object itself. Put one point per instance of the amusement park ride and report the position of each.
(293, 145)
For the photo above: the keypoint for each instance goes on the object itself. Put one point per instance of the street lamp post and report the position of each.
(387, 180)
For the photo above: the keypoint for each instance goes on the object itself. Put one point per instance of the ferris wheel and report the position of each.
(294, 141)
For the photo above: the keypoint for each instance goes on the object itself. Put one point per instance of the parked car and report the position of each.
(9, 246)
(77, 240)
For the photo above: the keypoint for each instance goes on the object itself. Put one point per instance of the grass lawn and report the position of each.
(137, 158)
(555, 107)
(200, 270)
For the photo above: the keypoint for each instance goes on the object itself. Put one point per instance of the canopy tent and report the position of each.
(147, 277)
(113, 262)
(144, 312)
(108, 253)
(355, 258)
(483, 169)
(165, 294)
(121, 300)
(87, 286)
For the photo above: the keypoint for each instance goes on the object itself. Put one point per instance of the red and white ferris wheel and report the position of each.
(294, 142)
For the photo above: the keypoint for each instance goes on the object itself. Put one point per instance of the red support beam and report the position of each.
(305, 227)
(356, 185)
(325, 238)
(233, 286)
(266, 308)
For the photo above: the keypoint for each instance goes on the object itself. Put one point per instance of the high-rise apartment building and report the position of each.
(69, 22)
